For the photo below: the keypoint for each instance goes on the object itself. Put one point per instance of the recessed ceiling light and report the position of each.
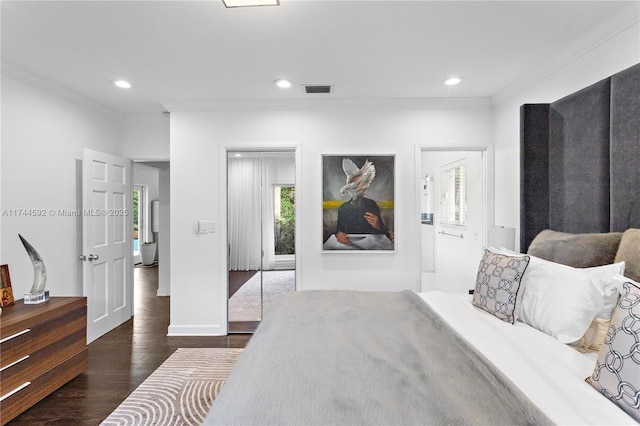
(283, 84)
(452, 81)
(122, 84)
(248, 3)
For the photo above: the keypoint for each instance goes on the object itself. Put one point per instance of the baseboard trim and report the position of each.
(196, 330)
(163, 292)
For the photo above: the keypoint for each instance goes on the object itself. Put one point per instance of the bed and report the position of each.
(548, 337)
(341, 357)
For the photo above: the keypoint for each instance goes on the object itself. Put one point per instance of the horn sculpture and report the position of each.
(39, 271)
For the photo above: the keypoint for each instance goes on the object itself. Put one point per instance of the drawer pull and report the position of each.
(18, 389)
(13, 336)
(14, 363)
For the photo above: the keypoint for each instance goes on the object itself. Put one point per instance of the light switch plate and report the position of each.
(202, 227)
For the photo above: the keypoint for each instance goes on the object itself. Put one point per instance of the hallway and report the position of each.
(120, 360)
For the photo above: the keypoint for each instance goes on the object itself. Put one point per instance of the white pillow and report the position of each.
(609, 287)
(552, 282)
(609, 280)
(562, 301)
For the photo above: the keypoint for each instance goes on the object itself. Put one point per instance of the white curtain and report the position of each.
(250, 204)
(244, 205)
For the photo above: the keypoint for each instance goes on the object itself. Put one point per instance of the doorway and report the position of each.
(261, 233)
(453, 202)
(138, 214)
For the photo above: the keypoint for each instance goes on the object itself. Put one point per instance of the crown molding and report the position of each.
(160, 117)
(43, 84)
(608, 29)
(328, 104)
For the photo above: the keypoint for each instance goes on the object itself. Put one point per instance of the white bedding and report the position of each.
(550, 373)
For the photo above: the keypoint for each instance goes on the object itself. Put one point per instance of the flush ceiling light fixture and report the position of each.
(249, 3)
(452, 81)
(283, 84)
(123, 84)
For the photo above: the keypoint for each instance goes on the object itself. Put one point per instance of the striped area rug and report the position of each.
(180, 391)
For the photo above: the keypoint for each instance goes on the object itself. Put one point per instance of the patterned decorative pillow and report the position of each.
(498, 282)
(617, 371)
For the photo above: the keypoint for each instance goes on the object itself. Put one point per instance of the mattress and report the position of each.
(551, 374)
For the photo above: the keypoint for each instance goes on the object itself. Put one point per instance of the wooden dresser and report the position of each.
(42, 347)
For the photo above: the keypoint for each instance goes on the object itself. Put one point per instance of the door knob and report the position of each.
(83, 257)
(92, 257)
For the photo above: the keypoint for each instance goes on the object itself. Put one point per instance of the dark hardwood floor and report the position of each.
(120, 360)
(237, 280)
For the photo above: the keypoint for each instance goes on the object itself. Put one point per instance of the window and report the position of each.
(453, 194)
(137, 199)
(284, 219)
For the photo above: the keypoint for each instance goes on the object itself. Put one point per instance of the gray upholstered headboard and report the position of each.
(580, 160)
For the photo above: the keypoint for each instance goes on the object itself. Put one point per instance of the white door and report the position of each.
(107, 241)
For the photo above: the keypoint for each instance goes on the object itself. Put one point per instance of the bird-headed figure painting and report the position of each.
(358, 204)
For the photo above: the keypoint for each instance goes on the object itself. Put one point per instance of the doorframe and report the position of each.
(223, 214)
(487, 203)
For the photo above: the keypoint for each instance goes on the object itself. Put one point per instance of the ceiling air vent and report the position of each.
(317, 88)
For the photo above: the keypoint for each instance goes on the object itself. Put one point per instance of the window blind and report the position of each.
(453, 195)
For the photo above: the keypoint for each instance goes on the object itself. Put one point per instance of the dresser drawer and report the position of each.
(15, 347)
(40, 387)
(28, 341)
(42, 347)
(41, 361)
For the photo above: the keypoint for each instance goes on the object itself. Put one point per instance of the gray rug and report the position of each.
(244, 305)
(180, 391)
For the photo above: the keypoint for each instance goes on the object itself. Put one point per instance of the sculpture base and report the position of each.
(35, 298)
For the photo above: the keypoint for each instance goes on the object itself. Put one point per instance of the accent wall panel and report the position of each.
(579, 161)
(580, 164)
(625, 149)
(534, 169)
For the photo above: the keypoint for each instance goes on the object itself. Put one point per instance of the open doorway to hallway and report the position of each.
(138, 205)
(152, 180)
(453, 229)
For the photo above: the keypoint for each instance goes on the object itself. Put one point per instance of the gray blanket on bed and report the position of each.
(384, 358)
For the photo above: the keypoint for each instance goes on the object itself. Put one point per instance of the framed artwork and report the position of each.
(5, 280)
(358, 203)
(7, 297)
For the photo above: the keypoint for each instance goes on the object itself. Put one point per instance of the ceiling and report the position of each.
(198, 51)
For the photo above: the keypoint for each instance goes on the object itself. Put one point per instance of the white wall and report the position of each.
(198, 139)
(164, 237)
(146, 140)
(43, 138)
(605, 59)
(283, 171)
